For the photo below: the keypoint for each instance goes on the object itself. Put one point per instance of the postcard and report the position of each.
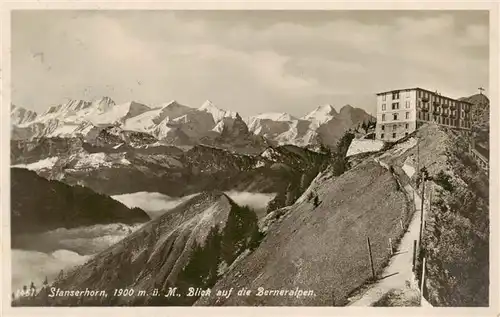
(241, 158)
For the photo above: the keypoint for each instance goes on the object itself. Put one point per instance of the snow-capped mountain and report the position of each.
(79, 116)
(275, 116)
(117, 113)
(321, 115)
(216, 113)
(76, 117)
(149, 120)
(174, 123)
(322, 125)
(19, 115)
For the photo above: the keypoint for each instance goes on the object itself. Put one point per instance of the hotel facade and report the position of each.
(400, 112)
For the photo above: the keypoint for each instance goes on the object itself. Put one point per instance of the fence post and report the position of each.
(418, 154)
(430, 196)
(414, 205)
(370, 256)
(422, 281)
(390, 246)
(422, 212)
(414, 254)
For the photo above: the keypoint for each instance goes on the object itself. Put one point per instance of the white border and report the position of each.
(6, 7)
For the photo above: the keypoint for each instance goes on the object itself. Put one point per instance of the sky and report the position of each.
(245, 61)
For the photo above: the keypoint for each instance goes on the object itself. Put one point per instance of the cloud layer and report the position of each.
(249, 62)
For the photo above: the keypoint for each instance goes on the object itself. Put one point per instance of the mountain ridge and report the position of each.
(39, 205)
(190, 246)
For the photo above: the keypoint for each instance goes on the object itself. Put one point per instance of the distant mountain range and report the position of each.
(114, 164)
(176, 124)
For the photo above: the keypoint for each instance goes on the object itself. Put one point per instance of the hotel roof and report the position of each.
(418, 88)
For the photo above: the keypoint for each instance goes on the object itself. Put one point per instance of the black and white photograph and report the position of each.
(325, 158)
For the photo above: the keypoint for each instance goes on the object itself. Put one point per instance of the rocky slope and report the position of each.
(456, 235)
(480, 110)
(457, 232)
(318, 244)
(190, 246)
(481, 122)
(38, 205)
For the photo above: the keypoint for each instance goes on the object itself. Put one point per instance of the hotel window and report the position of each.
(407, 126)
(394, 128)
(383, 106)
(407, 104)
(407, 115)
(394, 135)
(395, 116)
(382, 127)
(383, 97)
(383, 117)
(395, 95)
(408, 94)
(382, 136)
(395, 105)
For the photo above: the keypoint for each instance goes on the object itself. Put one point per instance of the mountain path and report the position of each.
(398, 273)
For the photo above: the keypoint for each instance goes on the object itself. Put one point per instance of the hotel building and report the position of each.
(400, 112)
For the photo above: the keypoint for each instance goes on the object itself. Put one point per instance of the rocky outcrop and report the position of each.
(25, 151)
(232, 133)
(480, 110)
(457, 232)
